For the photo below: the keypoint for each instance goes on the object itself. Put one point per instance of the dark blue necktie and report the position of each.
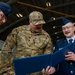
(70, 40)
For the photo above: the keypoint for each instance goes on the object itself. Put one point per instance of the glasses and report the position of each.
(67, 27)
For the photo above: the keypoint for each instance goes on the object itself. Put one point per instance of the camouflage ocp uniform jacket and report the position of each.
(28, 43)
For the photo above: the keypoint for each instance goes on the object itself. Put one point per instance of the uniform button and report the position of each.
(70, 63)
(71, 71)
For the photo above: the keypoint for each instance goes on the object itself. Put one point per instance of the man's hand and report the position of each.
(70, 56)
(48, 70)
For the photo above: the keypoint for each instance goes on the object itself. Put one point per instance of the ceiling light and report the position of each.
(19, 15)
(48, 4)
(55, 32)
(54, 27)
(53, 18)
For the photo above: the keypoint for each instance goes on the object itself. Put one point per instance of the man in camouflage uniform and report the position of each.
(30, 40)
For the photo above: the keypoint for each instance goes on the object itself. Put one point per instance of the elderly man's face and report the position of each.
(2, 18)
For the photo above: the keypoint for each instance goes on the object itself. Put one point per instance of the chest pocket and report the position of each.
(37, 42)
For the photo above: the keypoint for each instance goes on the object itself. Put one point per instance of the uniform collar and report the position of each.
(71, 38)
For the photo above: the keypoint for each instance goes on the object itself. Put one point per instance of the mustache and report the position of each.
(67, 32)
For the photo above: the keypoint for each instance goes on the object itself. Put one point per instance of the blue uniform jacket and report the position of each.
(65, 67)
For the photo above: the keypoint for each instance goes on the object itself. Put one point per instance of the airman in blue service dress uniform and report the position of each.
(5, 9)
(66, 67)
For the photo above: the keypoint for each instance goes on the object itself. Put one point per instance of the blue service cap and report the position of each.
(64, 21)
(5, 8)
